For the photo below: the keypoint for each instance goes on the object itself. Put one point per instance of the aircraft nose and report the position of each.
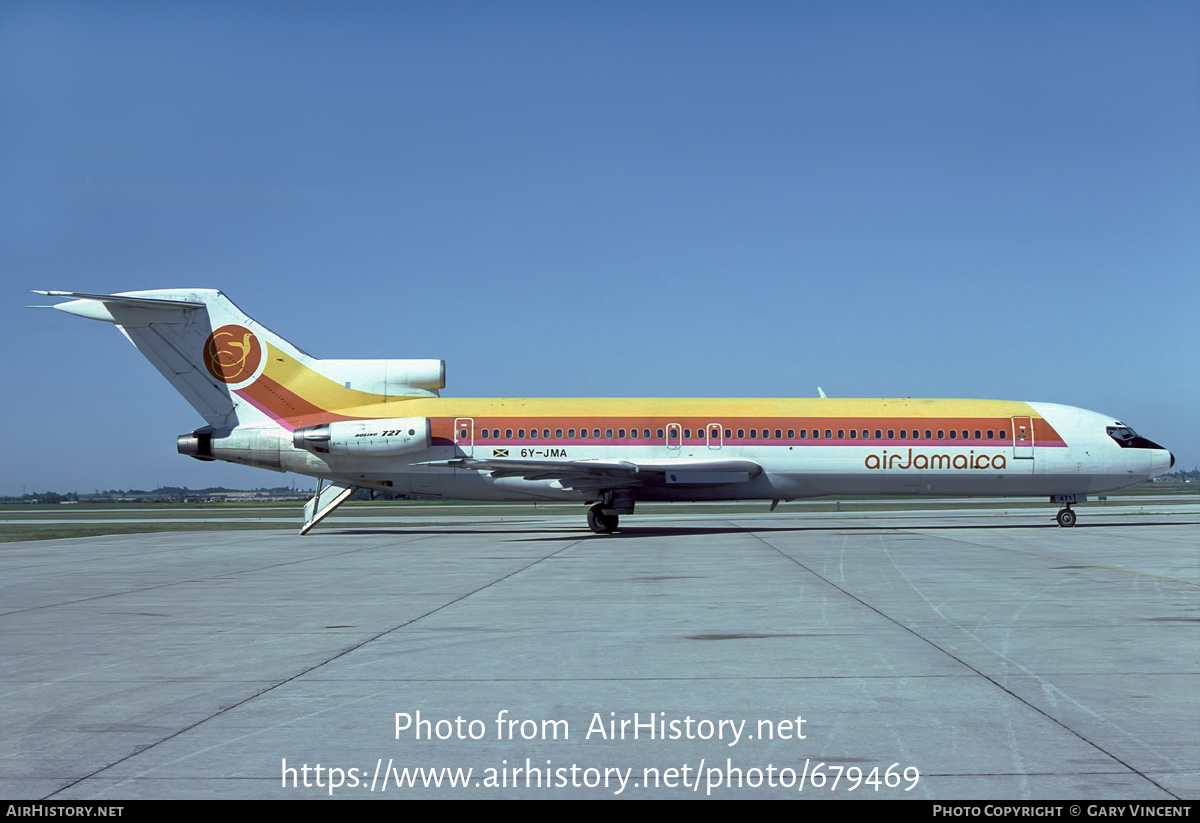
(1160, 461)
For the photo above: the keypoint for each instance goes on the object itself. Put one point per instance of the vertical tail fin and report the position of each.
(205, 346)
(234, 371)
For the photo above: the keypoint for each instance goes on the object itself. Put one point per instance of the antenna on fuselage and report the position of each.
(821, 392)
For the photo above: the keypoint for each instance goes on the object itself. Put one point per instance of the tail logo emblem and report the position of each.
(232, 354)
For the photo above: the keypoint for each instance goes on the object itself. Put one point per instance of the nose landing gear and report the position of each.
(1066, 517)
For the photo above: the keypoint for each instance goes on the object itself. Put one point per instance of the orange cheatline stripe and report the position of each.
(286, 407)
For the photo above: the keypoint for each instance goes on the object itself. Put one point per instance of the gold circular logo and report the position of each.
(232, 354)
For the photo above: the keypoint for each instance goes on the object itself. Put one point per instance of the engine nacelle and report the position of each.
(394, 378)
(198, 444)
(249, 445)
(376, 438)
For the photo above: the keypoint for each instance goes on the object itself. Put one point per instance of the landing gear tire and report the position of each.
(1066, 518)
(601, 523)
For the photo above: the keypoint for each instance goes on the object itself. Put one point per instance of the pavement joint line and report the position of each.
(968, 666)
(230, 574)
(1055, 558)
(300, 674)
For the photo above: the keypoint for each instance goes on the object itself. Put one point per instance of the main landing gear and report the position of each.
(603, 517)
(1066, 517)
(601, 523)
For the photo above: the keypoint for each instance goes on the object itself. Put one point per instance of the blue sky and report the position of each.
(570, 199)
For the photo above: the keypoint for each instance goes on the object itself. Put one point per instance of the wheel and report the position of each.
(601, 523)
(1066, 518)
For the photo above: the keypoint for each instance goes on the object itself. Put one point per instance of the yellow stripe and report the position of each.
(715, 408)
(317, 388)
(332, 396)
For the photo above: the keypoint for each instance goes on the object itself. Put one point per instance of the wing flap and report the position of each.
(612, 473)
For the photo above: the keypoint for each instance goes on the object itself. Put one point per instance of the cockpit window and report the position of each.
(1121, 434)
(1127, 438)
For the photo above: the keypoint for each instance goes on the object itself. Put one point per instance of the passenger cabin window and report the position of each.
(941, 434)
(903, 434)
(483, 434)
(966, 435)
(646, 434)
(558, 434)
(991, 434)
(520, 434)
(596, 433)
(583, 434)
(804, 434)
(953, 434)
(729, 434)
(791, 434)
(533, 434)
(508, 434)
(754, 434)
(841, 434)
(829, 434)
(546, 434)
(660, 434)
(879, 434)
(853, 434)
(608, 434)
(1003, 434)
(891, 434)
(928, 434)
(741, 434)
(687, 434)
(778, 434)
(621, 434)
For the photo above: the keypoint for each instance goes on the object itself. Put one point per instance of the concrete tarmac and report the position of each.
(932, 657)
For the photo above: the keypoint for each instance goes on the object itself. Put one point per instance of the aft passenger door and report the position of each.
(464, 435)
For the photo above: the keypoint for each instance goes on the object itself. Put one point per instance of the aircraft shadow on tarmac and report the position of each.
(633, 532)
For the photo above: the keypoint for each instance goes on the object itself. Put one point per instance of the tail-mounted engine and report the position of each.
(198, 444)
(377, 438)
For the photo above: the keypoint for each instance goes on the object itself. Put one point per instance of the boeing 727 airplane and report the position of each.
(381, 425)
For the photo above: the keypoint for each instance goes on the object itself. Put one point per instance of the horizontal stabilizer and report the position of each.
(139, 302)
(123, 310)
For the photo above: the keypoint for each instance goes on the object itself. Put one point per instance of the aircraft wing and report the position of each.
(612, 474)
